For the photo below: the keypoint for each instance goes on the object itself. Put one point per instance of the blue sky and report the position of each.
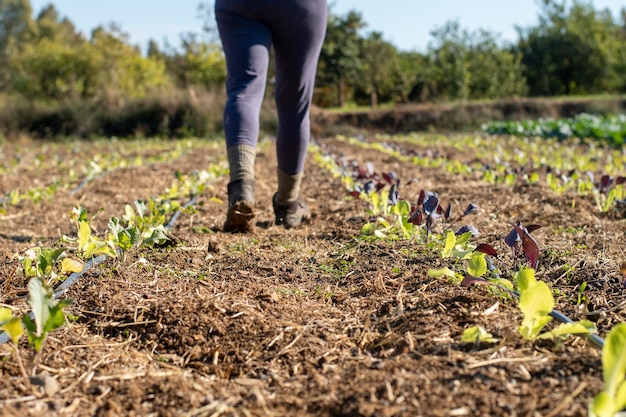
(405, 23)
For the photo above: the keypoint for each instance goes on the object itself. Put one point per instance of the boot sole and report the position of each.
(239, 218)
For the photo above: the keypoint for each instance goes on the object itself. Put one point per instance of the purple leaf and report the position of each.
(486, 248)
(512, 238)
(416, 218)
(468, 228)
(471, 208)
(469, 280)
(605, 182)
(431, 203)
(380, 186)
(532, 227)
(394, 195)
(389, 176)
(355, 193)
(421, 198)
(620, 180)
(448, 212)
(529, 246)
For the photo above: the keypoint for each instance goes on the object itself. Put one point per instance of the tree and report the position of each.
(197, 63)
(449, 58)
(379, 67)
(340, 62)
(17, 28)
(51, 26)
(573, 50)
(104, 67)
(471, 65)
(122, 69)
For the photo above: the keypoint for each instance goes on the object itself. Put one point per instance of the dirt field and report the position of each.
(307, 322)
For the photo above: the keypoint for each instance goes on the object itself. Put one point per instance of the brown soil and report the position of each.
(311, 321)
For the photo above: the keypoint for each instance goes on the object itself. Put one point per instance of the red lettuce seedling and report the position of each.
(520, 241)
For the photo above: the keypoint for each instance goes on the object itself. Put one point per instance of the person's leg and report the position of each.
(298, 33)
(246, 44)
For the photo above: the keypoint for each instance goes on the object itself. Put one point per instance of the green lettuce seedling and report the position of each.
(477, 334)
(613, 399)
(47, 313)
(536, 303)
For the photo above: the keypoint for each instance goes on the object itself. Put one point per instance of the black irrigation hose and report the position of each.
(62, 288)
(177, 213)
(84, 182)
(593, 338)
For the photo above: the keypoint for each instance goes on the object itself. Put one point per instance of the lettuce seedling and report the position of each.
(537, 303)
(520, 241)
(476, 334)
(47, 313)
(612, 399)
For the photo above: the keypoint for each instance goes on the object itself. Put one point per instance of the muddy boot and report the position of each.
(290, 214)
(288, 209)
(240, 206)
(240, 189)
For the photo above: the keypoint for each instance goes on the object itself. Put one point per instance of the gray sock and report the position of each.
(241, 162)
(288, 187)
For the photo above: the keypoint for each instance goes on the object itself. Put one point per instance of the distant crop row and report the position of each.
(609, 128)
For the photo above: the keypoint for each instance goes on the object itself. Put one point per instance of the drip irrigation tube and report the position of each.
(84, 182)
(593, 338)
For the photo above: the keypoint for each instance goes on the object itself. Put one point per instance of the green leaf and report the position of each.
(14, 329)
(614, 359)
(566, 329)
(40, 300)
(57, 317)
(477, 334)
(5, 315)
(84, 233)
(449, 245)
(72, 265)
(463, 239)
(602, 406)
(524, 277)
(404, 208)
(11, 325)
(536, 302)
(440, 273)
(477, 265)
(620, 397)
(368, 229)
(34, 339)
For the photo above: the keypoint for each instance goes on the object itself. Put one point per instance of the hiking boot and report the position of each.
(290, 214)
(240, 206)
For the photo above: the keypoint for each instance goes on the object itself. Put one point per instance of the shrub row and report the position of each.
(167, 113)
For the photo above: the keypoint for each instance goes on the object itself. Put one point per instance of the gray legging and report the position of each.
(248, 28)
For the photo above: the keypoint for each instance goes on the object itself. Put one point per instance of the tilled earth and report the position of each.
(314, 321)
